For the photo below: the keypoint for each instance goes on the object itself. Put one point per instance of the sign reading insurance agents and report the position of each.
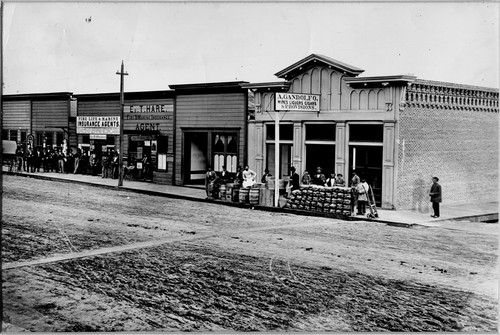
(109, 125)
(296, 102)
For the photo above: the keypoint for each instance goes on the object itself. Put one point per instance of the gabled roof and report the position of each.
(315, 60)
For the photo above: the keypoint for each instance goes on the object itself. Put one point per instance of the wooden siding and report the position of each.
(209, 111)
(50, 115)
(16, 114)
(98, 108)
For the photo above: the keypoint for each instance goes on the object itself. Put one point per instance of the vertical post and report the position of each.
(120, 154)
(276, 158)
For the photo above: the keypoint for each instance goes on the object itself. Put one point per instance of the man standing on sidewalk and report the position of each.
(435, 195)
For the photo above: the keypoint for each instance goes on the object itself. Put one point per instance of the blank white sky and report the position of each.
(49, 47)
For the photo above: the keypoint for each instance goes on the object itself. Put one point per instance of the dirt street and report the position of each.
(110, 260)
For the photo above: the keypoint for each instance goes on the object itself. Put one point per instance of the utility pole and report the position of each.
(120, 154)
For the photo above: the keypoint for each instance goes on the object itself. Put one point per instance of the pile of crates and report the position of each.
(332, 200)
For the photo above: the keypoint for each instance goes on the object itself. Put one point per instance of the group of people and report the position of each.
(320, 179)
(58, 160)
(51, 160)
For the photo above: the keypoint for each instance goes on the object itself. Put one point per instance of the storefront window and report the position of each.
(160, 147)
(49, 139)
(225, 151)
(366, 133)
(60, 139)
(320, 132)
(286, 147)
(5, 134)
(320, 148)
(286, 132)
(285, 159)
(39, 139)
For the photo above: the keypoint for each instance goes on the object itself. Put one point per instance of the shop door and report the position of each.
(195, 157)
(367, 162)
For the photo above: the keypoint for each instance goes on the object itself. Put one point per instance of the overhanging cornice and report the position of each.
(315, 60)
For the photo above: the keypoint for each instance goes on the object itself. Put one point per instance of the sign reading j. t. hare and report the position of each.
(297, 102)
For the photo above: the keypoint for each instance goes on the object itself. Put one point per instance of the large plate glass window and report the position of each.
(320, 147)
(225, 151)
(286, 149)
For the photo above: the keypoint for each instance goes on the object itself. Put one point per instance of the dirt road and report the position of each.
(163, 264)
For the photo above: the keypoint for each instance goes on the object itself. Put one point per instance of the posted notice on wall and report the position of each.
(297, 102)
(109, 125)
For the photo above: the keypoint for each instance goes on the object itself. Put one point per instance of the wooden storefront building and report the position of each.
(46, 118)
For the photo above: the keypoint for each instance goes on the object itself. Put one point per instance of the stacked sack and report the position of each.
(332, 200)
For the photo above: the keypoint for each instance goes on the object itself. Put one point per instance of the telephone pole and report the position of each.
(120, 154)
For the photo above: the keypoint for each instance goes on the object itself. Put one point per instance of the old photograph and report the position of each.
(237, 166)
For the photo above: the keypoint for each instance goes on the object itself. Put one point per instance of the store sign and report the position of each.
(137, 138)
(147, 117)
(98, 137)
(109, 125)
(297, 102)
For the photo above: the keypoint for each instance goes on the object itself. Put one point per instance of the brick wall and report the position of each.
(459, 145)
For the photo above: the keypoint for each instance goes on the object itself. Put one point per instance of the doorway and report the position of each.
(195, 157)
(366, 160)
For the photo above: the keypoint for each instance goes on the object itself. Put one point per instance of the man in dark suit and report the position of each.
(435, 195)
(295, 179)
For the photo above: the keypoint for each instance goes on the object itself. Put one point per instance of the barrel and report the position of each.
(229, 194)
(222, 192)
(253, 196)
(236, 193)
(244, 192)
(210, 187)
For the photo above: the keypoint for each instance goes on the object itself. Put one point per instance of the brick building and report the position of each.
(450, 131)
(396, 131)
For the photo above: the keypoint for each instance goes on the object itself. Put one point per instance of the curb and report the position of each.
(219, 202)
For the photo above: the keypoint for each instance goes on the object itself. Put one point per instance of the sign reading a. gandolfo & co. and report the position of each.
(98, 125)
(297, 102)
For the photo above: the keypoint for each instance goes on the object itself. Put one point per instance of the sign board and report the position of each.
(137, 138)
(143, 117)
(9, 147)
(98, 125)
(98, 137)
(296, 102)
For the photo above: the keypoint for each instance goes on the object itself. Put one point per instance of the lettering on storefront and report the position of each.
(148, 126)
(148, 117)
(297, 102)
(98, 125)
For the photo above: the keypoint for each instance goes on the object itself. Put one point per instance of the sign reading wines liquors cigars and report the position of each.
(297, 102)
